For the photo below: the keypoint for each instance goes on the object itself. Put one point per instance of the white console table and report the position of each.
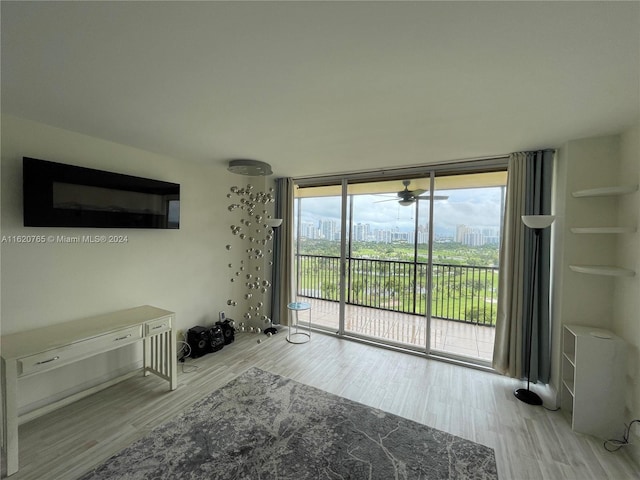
(38, 351)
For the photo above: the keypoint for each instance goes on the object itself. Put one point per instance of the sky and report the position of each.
(477, 207)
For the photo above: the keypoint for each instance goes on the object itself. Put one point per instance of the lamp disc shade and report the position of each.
(538, 221)
(274, 222)
(252, 168)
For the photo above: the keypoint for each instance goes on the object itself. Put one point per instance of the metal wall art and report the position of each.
(251, 234)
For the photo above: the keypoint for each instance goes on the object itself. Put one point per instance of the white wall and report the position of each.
(626, 305)
(179, 270)
(558, 270)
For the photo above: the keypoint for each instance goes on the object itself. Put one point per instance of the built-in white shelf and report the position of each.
(571, 356)
(616, 230)
(606, 191)
(606, 270)
(569, 385)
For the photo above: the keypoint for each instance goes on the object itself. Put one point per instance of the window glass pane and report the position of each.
(388, 277)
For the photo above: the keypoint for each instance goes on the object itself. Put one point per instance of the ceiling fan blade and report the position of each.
(388, 200)
(417, 192)
(435, 197)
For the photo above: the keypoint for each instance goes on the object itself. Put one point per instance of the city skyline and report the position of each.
(473, 209)
(470, 235)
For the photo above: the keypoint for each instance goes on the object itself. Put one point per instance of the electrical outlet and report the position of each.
(223, 317)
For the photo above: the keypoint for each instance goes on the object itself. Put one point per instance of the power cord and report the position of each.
(183, 353)
(618, 444)
(185, 350)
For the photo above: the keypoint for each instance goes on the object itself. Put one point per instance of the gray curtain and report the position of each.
(528, 193)
(506, 350)
(283, 289)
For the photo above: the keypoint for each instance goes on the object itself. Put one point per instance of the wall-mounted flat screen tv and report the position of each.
(60, 195)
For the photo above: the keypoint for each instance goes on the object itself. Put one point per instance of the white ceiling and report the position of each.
(325, 87)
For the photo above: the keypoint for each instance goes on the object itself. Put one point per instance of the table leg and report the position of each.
(146, 356)
(173, 359)
(10, 414)
(294, 327)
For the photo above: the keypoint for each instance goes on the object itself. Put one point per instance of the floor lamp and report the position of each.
(537, 223)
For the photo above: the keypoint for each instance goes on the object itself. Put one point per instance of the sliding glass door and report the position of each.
(464, 293)
(386, 282)
(390, 262)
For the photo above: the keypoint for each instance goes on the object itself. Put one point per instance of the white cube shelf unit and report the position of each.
(593, 373)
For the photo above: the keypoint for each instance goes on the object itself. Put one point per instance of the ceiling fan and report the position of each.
(407, 197)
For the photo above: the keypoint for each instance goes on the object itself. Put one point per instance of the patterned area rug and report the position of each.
(264, 426)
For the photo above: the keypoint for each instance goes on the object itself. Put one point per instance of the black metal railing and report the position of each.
(459, 292)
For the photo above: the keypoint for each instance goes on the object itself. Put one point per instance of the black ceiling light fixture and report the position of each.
(252, 168)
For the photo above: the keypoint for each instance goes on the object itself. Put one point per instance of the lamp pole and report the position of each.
(525, 394)
(537, 223)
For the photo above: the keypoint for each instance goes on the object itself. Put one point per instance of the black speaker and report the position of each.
(227, 331)
(216, 338)
(198, 340)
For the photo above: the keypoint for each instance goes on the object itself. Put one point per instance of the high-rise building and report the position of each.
(308, 230)
(328, 229)
(362, 232)
(477, 236)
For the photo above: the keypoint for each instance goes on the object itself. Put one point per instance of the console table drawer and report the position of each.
(56, 357)
(157, 326)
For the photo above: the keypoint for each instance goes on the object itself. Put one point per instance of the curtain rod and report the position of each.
(409, 170)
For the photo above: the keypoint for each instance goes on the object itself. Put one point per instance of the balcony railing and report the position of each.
(460, 292)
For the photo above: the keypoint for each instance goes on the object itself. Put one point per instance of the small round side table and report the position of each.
(297, 336)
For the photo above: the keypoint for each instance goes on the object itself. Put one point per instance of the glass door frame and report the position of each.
(496, 164)
(346, 225)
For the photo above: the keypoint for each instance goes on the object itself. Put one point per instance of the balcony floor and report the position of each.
(449, 337)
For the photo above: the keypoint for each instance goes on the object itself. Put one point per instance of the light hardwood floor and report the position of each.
(529, 442)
